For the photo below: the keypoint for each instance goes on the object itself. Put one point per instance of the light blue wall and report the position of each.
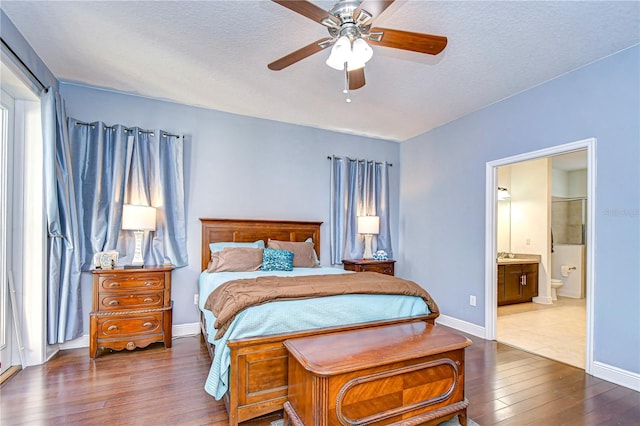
(236, 167)
(442, 201)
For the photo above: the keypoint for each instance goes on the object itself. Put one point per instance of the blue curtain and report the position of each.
(64, 303)
(118, 165)
(358, 188)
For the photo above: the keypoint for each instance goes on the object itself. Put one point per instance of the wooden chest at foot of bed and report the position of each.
(409, 373)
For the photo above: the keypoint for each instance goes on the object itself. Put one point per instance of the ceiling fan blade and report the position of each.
(356, 79)
(375, 7)
(299, 54)
(406, 40)
(304, 8)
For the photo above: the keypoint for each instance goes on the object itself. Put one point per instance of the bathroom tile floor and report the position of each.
(555, 331)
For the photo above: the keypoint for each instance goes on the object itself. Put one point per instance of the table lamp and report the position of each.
(138, 219)
(368, 225)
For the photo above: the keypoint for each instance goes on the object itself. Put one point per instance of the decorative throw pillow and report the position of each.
(304, 256)
(277, 260)
(236, 259)
(215, 247)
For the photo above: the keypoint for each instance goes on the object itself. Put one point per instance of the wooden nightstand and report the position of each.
(369, 265)
(131, 308)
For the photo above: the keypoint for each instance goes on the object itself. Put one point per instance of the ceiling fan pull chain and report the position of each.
(346, 83)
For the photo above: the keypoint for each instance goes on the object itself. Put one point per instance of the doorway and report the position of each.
(19, 129)
(493, 246)
(541, 213)
(6, 135)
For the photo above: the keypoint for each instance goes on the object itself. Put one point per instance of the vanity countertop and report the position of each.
(519, 259)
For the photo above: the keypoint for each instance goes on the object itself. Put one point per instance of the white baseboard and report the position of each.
(569, 293)
(461, 325)
(616, 375)
(183, 330)
(543, 300)
(80, 342)
(178, 330)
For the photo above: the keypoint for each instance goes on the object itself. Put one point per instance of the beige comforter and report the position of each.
(232, 297)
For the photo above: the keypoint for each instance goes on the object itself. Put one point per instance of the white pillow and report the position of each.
(216, 247)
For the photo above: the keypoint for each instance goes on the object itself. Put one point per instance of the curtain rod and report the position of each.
(355, 159)
(128, 129)
(24, 66)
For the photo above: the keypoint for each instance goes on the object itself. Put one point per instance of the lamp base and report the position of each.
(367, 247)
(133, 266)
(138, 260)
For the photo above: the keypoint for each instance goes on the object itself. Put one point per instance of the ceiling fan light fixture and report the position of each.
(354, 64)
(355, 56)
(362, 52)
(334, 63)
(340, 53)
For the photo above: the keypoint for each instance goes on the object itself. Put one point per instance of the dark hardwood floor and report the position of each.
(158, 386)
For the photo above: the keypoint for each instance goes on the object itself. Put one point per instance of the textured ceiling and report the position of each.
(214, 54)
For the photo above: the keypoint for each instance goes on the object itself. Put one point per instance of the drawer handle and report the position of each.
(148, 299)
(147, 324)
(148, 283)
(114, 285)
(112, 327)
(114, 302)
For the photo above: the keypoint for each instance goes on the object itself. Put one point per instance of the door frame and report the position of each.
(6, 185)
(491, 302)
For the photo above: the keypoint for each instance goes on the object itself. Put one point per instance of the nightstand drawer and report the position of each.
(116, 302)
(369, 265)
(123, 325)
(140, 281)
(383, 269)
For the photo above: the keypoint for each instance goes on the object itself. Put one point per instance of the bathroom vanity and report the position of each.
(517, 280)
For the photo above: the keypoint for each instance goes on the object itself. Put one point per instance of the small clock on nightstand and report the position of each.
(369, 265)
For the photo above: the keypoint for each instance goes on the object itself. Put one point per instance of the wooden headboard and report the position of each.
(247, 230)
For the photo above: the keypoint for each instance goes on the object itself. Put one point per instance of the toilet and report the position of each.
(555, 285)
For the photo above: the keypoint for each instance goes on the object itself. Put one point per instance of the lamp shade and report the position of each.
(368, 224)
(138, 218)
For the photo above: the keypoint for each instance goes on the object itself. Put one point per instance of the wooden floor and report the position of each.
(158, 386)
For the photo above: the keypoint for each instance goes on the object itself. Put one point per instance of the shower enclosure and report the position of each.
(569, 220)
(568, 226)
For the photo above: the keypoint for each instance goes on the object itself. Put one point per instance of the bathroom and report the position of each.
(545, 215)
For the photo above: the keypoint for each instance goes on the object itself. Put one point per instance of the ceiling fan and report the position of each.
(350, 28)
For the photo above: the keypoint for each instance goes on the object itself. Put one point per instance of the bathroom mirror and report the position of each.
(503, 219)
(504, 226)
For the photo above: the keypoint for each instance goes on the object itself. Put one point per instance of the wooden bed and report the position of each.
(259, 365)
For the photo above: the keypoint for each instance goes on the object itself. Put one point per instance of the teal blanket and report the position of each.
(286, 316)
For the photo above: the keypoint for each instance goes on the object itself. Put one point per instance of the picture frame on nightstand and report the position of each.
(105, 259)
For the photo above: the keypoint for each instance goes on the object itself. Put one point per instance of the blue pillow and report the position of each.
(277, 260)
(216, 247)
